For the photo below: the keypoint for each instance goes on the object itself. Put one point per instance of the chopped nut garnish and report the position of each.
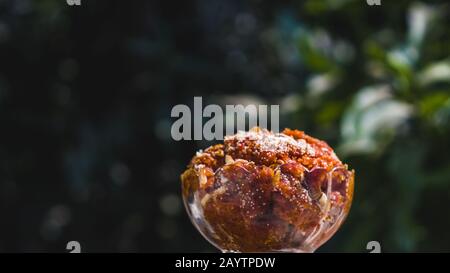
(228, 159)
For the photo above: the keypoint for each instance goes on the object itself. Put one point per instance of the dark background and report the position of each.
(86, 94)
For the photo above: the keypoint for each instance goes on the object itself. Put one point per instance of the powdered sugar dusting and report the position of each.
(267, 141)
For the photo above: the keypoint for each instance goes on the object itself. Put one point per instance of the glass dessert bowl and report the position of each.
(265, 192)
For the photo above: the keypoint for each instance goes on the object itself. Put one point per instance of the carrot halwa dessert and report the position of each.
(266, 192)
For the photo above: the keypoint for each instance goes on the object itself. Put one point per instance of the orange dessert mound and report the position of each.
(266, 192)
